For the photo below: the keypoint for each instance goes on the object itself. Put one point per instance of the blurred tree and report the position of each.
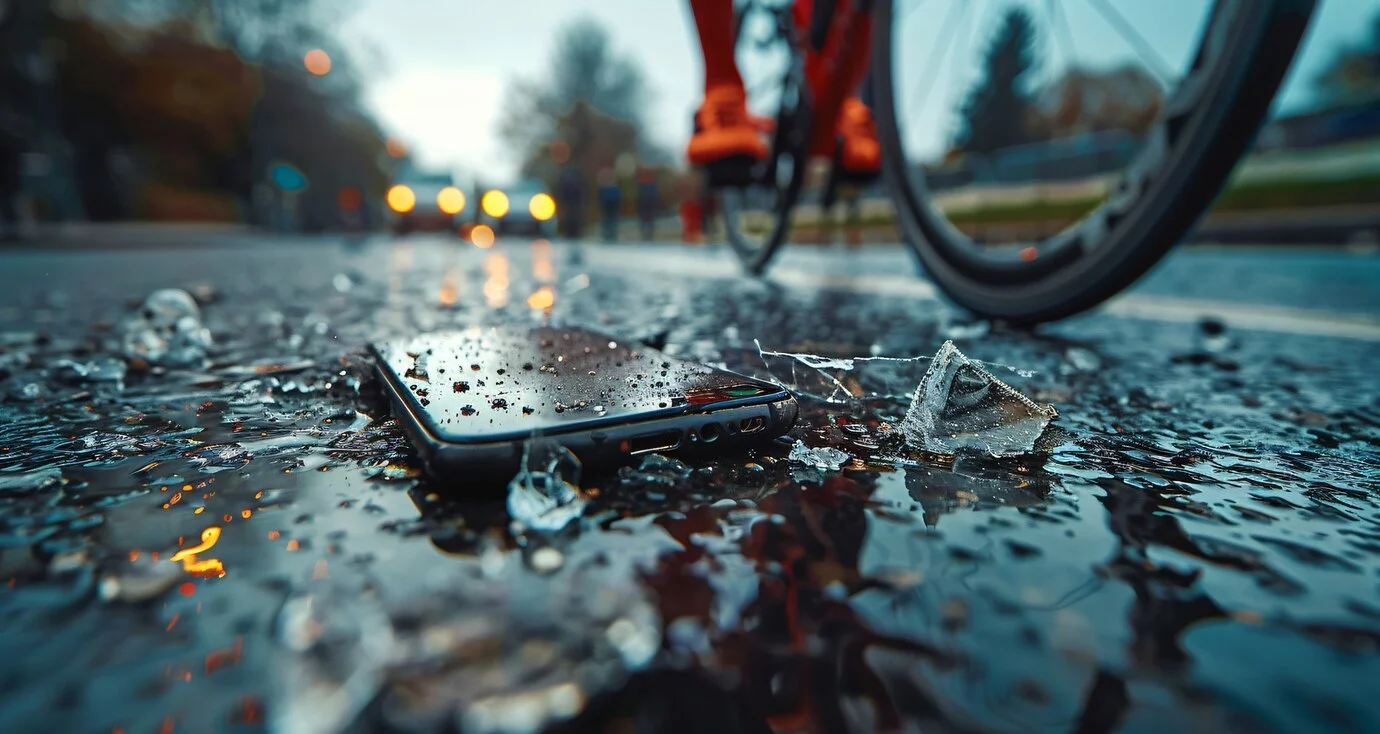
(179, 106)
(202, 97)
(1354, 75)
(583, 68)
(334, 144)
(995, 113)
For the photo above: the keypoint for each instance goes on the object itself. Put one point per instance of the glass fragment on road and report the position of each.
(102, 370)
(545, 493)
(961, 407)
(826, 458)
(842, 379)
(167, 330)
(656, 469)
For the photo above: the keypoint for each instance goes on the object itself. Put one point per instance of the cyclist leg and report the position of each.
(723, 129)
(861, 153)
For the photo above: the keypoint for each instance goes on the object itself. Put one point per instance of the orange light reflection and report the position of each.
(543, 266)
(217, 659)
(450, 287)
(205, 568)
(496, 282)
(543, 299)
(482, 236)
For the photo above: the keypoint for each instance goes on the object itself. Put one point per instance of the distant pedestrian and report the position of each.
(11, 153)
(709, 209)
(570, 204)
(610, 203)
(691, 221)
(648, 201)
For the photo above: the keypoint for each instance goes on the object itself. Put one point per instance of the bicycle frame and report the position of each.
(835, 28)
(822, 33)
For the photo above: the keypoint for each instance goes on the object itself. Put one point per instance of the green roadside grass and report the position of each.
(1254, 196)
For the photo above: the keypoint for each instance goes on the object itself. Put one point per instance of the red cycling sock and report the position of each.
(714, 22)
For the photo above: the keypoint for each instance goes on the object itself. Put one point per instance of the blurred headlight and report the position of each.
(451, 200)
(542, 207)
(401, 199)
(494, 203)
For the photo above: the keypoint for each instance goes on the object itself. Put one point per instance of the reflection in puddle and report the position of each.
(203, 567)
(543, 265)
(451, 283)
(496, 279)
(482, 236)
(542, 299)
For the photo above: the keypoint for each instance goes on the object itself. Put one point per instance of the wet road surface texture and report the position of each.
(208, 522)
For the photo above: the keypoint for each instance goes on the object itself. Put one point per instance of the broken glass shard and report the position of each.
(961, 407)
(167, 330)
(545, 494)
(27, 387)
(827, 458)
(105, 370)
(656, 469)
(841, 379)
(1078, 359)
(29, 482)
(138, 581)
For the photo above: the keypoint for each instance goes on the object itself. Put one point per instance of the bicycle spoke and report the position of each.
(1062, 32)
(939, 54)
(1147, 53)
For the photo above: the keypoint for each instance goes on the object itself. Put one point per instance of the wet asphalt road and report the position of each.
(1196, 546)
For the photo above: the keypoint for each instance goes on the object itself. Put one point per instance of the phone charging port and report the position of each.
(752, 425)
(651, 442)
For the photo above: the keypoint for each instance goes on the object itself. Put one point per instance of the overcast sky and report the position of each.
(444, 64)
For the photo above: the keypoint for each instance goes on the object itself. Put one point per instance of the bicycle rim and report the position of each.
(1239, 61)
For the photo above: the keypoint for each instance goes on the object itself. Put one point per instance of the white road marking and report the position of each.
(1165, 309)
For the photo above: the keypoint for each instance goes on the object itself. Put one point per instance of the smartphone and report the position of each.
(468, 400)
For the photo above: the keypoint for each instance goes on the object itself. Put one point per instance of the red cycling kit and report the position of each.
(723, 128)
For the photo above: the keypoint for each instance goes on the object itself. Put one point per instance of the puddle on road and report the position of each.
(245, 538)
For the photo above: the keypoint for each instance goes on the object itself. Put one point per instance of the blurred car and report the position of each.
(425, 202)
(526, 208)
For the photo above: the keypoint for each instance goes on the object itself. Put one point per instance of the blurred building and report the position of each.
(154, 110)
(1087, 101)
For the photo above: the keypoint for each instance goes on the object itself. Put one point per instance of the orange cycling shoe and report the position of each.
(724, 130)
(861, 153)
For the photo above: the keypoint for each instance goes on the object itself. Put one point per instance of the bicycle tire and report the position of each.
(754, 252)
(1210, 122)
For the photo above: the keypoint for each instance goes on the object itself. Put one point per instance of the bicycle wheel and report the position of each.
(757, 212)
(1047, 267)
